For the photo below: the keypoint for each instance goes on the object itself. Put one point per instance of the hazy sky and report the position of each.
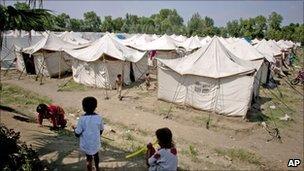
(220, 11)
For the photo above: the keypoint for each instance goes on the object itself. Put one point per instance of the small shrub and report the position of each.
(16, 155)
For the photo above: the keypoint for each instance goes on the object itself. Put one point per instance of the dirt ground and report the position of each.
(230, 143)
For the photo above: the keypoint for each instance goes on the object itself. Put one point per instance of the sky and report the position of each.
(220, 11)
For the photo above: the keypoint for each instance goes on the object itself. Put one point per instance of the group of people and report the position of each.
(90, 128)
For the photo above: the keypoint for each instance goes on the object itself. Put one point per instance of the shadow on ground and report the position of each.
(62, 153)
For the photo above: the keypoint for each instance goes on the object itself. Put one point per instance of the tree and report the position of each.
(208, 26)
(62, 21)
(107, 25)
(195, 25)
(117, 24)
(75, 24)
(21, 6)
(167, 21)
(233, 28)
(299, 34)
(274, 21)
(260, 26)
(92, 22)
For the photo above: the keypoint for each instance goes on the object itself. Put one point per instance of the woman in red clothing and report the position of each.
(52, 112)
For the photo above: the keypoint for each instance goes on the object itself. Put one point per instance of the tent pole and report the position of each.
(21, 73)
(39, 69)
(106, 92)
(123, 73)
(42, 68)
(60, 57)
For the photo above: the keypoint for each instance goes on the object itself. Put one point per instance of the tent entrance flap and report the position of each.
(29, 63)
(132, 77)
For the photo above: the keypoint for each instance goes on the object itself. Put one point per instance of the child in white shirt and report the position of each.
(165, 158)
(89, 130)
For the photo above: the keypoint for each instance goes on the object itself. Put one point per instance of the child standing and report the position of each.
(147, 81)
(164, 158)
(89, 130)
(118, 83)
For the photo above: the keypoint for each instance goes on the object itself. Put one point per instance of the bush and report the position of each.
(15, 154)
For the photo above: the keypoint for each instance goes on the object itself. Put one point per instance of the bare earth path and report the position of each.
(128, 114)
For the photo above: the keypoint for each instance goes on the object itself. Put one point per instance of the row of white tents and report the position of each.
(213, 74)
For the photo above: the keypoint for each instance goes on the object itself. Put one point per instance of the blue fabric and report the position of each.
(120, 36)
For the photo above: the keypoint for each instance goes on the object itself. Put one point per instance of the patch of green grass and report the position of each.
(14, 95)
(21, 101)
(202, 120)
(240, 155)
(191, 152)
(72, 86)
(128, 136)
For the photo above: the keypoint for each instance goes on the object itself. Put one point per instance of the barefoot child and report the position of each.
(147, 81)
(52, 112)
(164, 158)
(89, 130)
(118, 84)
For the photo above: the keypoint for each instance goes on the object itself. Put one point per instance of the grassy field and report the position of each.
(20, 101)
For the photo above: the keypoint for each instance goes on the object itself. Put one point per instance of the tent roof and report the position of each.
(266, 50)
(109, 46)
(213, 60)
(73, 38)
(282, 44)
(274, 45)
(191, 43)
(49, 42)
(206, 40)
(244, 50)
(163, 43)
(139, 40)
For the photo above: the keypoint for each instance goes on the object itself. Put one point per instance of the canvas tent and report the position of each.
(98, 64)
(49, 58)
(211, 79)
(12, 38)
(165, 47)
(139, 40)
(242, 49)
(206, 40)
(267, 51)
(73, 38)
(191, 44)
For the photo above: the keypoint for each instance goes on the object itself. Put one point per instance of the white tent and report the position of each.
(191, 43)
(206, 40)
(163, 43)
(12, 38)
(73, 38)
(179, 38)
(245, 51)
(154, 36)
(98, 64)
(211, 79)
(274, 46)
(283, 45)
(139, 40)
(165, 47)
(267, 51)
(49, 58)
(255, 41)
